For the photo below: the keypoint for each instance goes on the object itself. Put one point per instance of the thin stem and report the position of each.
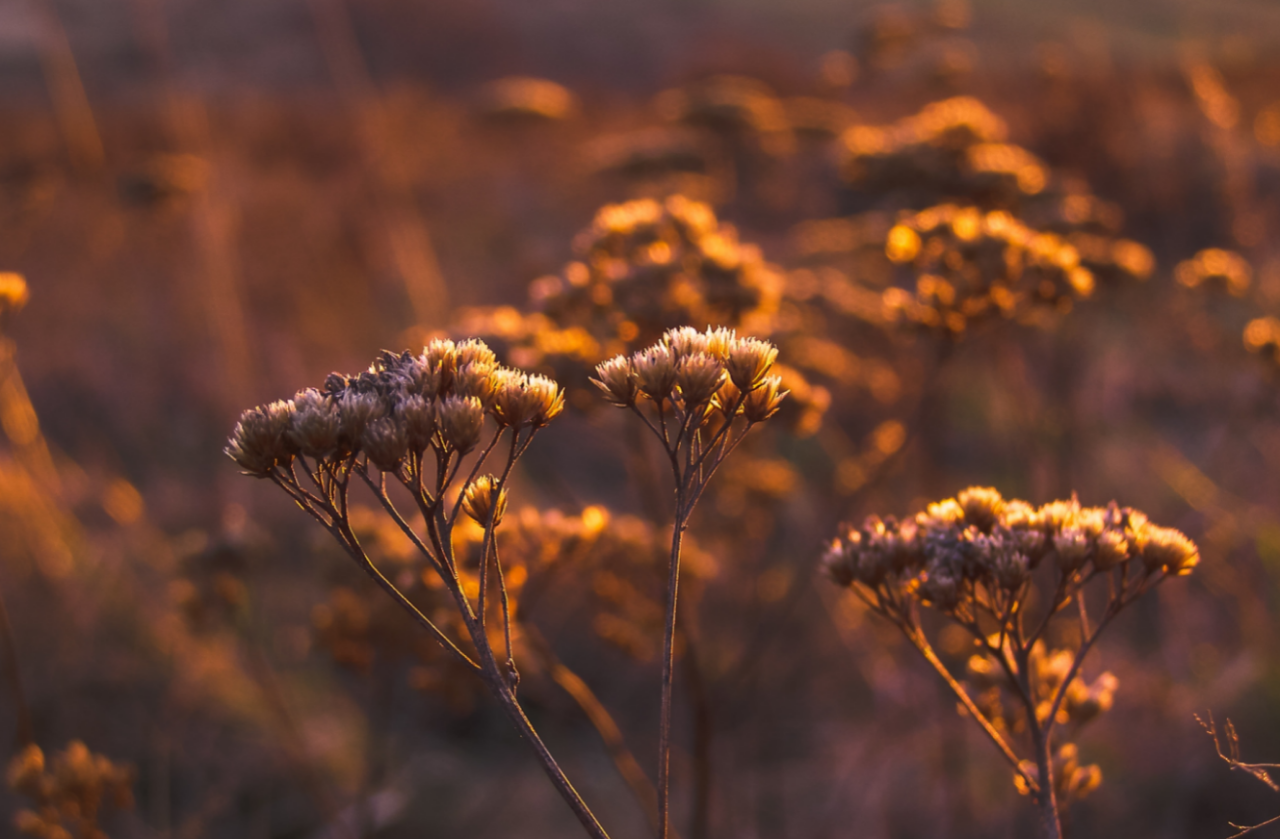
(916, 637)
(1061, 693)
(668, 671)
(623, 759)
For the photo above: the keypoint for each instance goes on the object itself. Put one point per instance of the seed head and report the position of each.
(441, 358)
(1112, 550)
(475, 351)
(750, 360)
(461, 420)
(982, 506)
(699, 376)
(384, 441)
(617, 381)
(259, 440)
(418, 417)
(727, 398)
(720, 341)
(655, 370)
(355, 412)
(544, 400)
(1085, 703)
(764, 401)
(1072, 548)
(1169, 550)
(483, 498)
(316, 425)
(685, 341)
(475, 378)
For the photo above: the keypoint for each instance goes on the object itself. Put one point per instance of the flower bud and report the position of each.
(617, 381)
(1072, 548)
(441, 360)
(355, 412)
(1084, 703)
(418, 417)
(764, 401)
(685, 341)
(750, 360)
(384, 443)
(1112, 550)
(461, 421)
(1169, 550)
(982, 506)
(699, 377)
(475, 351)
(259, 441)
(475, 378)
(655, 370)
(316, 424)
(483, 498)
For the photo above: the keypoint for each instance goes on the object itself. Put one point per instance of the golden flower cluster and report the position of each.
(1216, 268)
(392, 415)
(969, 264)
(647, 266)
(976, 552)
(70, 795)
(953, 147)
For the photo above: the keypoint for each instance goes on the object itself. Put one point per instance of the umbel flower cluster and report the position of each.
(1003, 569)
(969, 264)
(402, 413)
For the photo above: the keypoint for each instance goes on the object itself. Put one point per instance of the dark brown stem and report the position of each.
(668, 670)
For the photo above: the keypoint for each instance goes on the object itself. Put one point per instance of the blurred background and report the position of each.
(215, 205)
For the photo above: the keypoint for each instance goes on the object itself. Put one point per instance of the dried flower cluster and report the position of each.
(648, 266)
(969, 264)
(69, 796)
(950, 148)
(404, 408)
(986, 563)
(1215, 267)
(691, 387)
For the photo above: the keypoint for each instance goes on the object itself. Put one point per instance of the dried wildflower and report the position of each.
(618, 381)
(461, 421)
(698, 431)
(484, 498)
(982, 561)
(261, 438)
(417, 419)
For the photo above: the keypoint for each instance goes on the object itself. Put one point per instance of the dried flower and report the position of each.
(484, 498)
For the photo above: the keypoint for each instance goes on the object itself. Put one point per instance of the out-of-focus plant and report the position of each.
(69, 796)
(1003, 570)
